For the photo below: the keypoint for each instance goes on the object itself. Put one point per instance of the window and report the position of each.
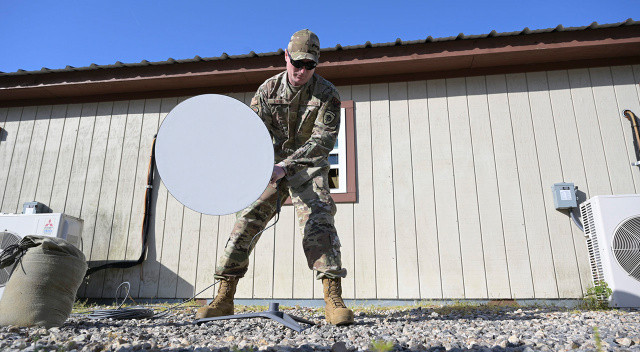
(338, 160)
(342, 176)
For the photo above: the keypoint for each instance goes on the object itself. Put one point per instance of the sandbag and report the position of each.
(43, 285)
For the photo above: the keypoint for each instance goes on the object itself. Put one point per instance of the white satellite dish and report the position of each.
(214, 154)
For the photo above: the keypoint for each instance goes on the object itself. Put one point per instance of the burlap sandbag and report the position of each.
(43, 285)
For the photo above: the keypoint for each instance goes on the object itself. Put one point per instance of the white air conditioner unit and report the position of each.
(612, 227)
(13, 227)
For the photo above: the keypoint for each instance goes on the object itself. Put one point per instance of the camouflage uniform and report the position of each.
(303, 124)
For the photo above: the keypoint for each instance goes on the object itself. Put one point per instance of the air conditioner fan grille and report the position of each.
(7, 239)
(626, 246)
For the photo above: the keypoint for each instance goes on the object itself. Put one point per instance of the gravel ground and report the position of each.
(447, 328)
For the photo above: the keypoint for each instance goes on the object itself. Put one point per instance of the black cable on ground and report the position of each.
(136, 312)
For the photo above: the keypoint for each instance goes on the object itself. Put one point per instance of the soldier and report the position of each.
(302, 113)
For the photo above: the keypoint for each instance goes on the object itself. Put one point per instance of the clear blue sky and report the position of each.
(53, 34)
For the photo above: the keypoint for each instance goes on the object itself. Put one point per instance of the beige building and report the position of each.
(443, 176)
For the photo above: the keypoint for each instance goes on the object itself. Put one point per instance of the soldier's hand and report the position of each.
(278, 173)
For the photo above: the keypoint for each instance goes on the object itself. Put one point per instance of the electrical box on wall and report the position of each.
(564, 196)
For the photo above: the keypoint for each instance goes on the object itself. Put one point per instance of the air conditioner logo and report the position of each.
(48, 227)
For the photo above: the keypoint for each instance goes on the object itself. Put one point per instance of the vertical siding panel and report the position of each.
(89, 213)
(611, 128)
(471, 248)
(207, 248)
(589, 133)
(18, 160)
(107, 221)
(303, 278)
(61, 178)
(509, 189)
(171, 241)
(627, 98)
(571, 156)
(151, 267)
(8, 140)
(126, 130)
(34, 159)
(50, 156)
(344, 226)
(263, 264)
(101, 284)
(493, 244)
(537, 232)
(283, 250)
(423, 192)
(444, 184)
(79, 169)
(404, 216)
(385, 242)
(170, 257)
(364, 269)
(188, 253)
(78, 174)
(562, 246)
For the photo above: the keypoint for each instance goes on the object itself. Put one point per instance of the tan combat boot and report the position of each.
(336, 312)
(223, 303)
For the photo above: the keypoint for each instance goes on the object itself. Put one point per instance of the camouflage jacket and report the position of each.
(303, 125)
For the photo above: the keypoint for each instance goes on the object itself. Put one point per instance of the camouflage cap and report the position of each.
(304, 45)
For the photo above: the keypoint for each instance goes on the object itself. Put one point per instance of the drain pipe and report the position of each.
(634, 122)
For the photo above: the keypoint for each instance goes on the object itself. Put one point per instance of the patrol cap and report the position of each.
(304, 45)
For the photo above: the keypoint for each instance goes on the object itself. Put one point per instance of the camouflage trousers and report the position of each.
(315, 210)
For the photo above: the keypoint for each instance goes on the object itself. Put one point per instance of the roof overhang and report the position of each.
(342, 66)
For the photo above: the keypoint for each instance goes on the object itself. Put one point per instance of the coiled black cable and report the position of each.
(136, 312)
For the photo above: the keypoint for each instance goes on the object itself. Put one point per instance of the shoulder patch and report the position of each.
(329, 117)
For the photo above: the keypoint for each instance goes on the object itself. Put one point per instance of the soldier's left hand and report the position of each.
(278, 173)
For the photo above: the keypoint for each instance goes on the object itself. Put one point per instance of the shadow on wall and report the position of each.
(149, 280)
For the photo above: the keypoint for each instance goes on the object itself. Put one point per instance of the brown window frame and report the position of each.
(350, 196)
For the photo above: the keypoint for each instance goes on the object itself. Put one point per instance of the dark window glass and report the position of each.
(334, 180)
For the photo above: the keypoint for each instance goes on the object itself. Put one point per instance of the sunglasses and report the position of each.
(309, 65)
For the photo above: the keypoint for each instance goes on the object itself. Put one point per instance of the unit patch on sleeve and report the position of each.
(328, 117)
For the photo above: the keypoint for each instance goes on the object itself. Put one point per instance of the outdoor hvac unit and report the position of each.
(13, 227)
(612, 227)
